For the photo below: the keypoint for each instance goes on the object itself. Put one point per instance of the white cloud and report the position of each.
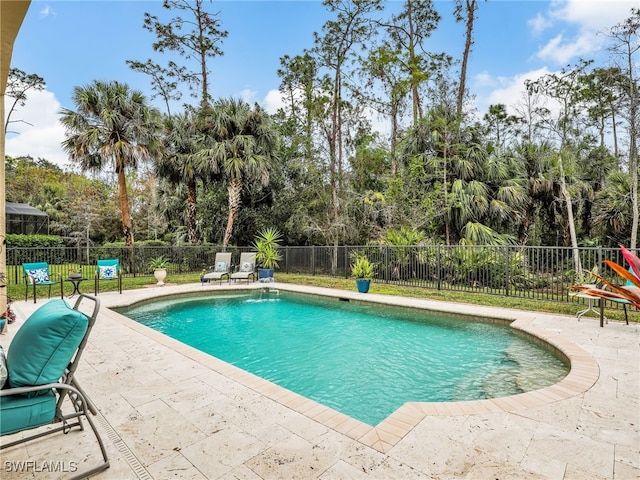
(42, 134)
(509, 92)
(578, 26)
(46, 11)
(484, 79)
(590, 18)
(593, 15)
(273, 101)
(561, 52)
(248, 95)
(539, 24)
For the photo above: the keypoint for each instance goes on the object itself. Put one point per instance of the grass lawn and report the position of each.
(16, 292)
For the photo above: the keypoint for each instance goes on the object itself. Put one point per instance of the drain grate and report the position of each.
(124, 449)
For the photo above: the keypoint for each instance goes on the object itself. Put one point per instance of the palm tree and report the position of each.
(181, 164)
(243, 148)
(113, 126)
(614, 209)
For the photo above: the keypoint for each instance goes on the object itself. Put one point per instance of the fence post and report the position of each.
(15, 262)
(600, 259)
(438, 269)
(506, 271)
(387, 274)
(286, 259)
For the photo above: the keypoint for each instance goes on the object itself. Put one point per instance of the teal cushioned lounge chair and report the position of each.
(108, 270)
(37, 274)
(41, 363)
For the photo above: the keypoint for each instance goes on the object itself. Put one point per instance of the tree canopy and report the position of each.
(559, 168)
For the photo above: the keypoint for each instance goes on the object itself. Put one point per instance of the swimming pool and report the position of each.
(361, 359)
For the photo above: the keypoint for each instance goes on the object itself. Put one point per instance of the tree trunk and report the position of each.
(415, 95)
(633, 154)
(633, 170)
(572, 227)
(447, 231)
(394, 136)
(127, 228)
(471, 7)
(191, 211)
(235, 191)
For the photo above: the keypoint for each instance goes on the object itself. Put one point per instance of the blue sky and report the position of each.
(72, 43)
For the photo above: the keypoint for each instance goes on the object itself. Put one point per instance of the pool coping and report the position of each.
(584, 370)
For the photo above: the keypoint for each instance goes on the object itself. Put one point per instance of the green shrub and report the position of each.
(33, 241)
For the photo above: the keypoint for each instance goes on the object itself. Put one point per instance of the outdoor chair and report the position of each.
(38, 274)
(246, 267)
(221, 268)
(627, 285)
(40, 364)
(108, 270)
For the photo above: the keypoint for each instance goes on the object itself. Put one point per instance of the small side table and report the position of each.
(76, 284)
(591, 307)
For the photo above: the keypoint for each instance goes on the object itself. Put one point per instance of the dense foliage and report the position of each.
(561, 170)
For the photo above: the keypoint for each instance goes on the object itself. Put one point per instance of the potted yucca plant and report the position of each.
(267, 246)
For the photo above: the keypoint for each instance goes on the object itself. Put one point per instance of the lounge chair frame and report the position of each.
(238, 275)
(212, 275)
(67, 387)
(106, 263)
(30, 280)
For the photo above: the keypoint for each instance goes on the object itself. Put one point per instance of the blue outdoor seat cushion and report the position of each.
(107, 272)
(21, 413)
(43, 347)
(38, 271)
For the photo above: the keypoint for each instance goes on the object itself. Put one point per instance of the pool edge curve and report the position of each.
(583, 374)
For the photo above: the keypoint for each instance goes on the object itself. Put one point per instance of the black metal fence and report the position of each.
(527, 272)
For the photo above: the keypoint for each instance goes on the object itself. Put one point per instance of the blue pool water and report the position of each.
(363, 360)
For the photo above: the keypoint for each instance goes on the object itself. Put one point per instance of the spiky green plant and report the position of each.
(267, 245)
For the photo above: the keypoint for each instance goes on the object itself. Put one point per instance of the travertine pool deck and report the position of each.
(167, 410)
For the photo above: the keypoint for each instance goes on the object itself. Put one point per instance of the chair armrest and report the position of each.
(60, 387)
(86, 297)
(55, 274)
(6, 392)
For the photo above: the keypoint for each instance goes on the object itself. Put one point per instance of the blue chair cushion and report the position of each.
(39, 275)
(43, 347)
(107, 272)
(21, 413)
(221, 267)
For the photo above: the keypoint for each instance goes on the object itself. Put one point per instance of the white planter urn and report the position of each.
(160, 274)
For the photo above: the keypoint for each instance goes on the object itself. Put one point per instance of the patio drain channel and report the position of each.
(124, 449)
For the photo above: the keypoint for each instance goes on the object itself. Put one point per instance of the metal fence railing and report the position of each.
(517, 271)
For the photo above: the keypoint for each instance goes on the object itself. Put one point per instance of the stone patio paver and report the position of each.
(169, 411)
